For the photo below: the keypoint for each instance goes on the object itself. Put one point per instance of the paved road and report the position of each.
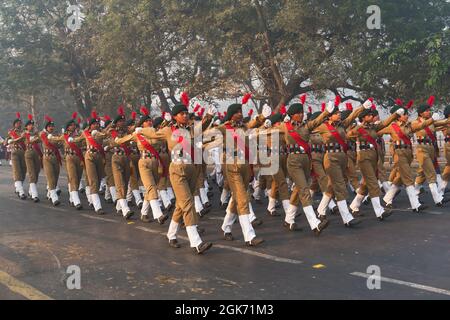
(120, 260)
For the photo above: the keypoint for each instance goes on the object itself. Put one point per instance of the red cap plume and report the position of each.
(283, 110)
(410, 104)
(18, 115)
(30, 117)
(370, 99)
(144, 111)
(309, 109)
(202, 111)
(197, 107)
(303, 98)
(250, 113)
(399, 102)
(79, 120)
(374, 107)
(337, 101)
(323, 107)
(185, 99)
(48, 119)
(114, 134)
(224, 113)
(349, 106)
(94, 115)
(246, 98)
(133, 115)
(107, 118)
(431, 101)
(121, 111)
(74, 115)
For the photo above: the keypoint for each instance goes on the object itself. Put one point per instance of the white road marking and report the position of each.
(405, 283)
(99, 218)
(424, 211)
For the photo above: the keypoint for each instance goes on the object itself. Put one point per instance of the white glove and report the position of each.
(217, 122)
(115, 140)
(106, 148)
(9, 141)
(138, 130)
(287, 118)
(330, 106)
(49, 136)
(436, 116)
(211, 110)
(266, 111)
(267, 123)
(2, 140)
(199, 144)
(400, 111)
(367, 104)
(70, 139)
(167, 117)
(94, 133)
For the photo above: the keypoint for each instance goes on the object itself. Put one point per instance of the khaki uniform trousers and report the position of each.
(238, 178)
(33, 163)
(299, 170)
(446, 174)
(182, 177)
(368, 164)
(95, 170)
(108, 170)
(321, 177)
(74, 170)
(134, 173)
(402, 160)
(335, 165)
(164, 181)
(425, 157)
(148, 170)
(19, 167)
(51, 169)
(121, 172)
(350, 174)
(279, 184)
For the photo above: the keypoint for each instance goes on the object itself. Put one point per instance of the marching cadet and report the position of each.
(333, 133)
(94, 159)
(149, 165)
(446, 132)
(33, 157)
(401, 133)
(179, 137)
(74, 160)
(51, 160)
(317, 155)
(133, 187)
(426, 151)
(296, 134)
(368, 157)
(237, 171)
(110, 192)
(19, 169)
(163, 181)
(351, 174)
(120, 163)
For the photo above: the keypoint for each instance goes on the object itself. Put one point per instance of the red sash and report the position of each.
(152, 150)
(94, 143)
(125, 148)
(74, 148)
(241, 145)
(400, 134)
(34, 145)
(436, 148)
(13, 134)
(337, 136)
(294, 134)
(185, 145)
(51, 146)
(363, 132)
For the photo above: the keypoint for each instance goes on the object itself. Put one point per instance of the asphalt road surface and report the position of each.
(132, 260)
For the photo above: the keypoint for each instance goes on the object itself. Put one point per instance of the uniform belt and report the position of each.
(48, 152)
(92, 150)
(425, 141)
(365, 146)
(147, 155)
(402, 146)
(295, 149)
(318, 148)
(352, 146)
(334, 147)
(280, 151)
(447, 139)
(119, 153)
